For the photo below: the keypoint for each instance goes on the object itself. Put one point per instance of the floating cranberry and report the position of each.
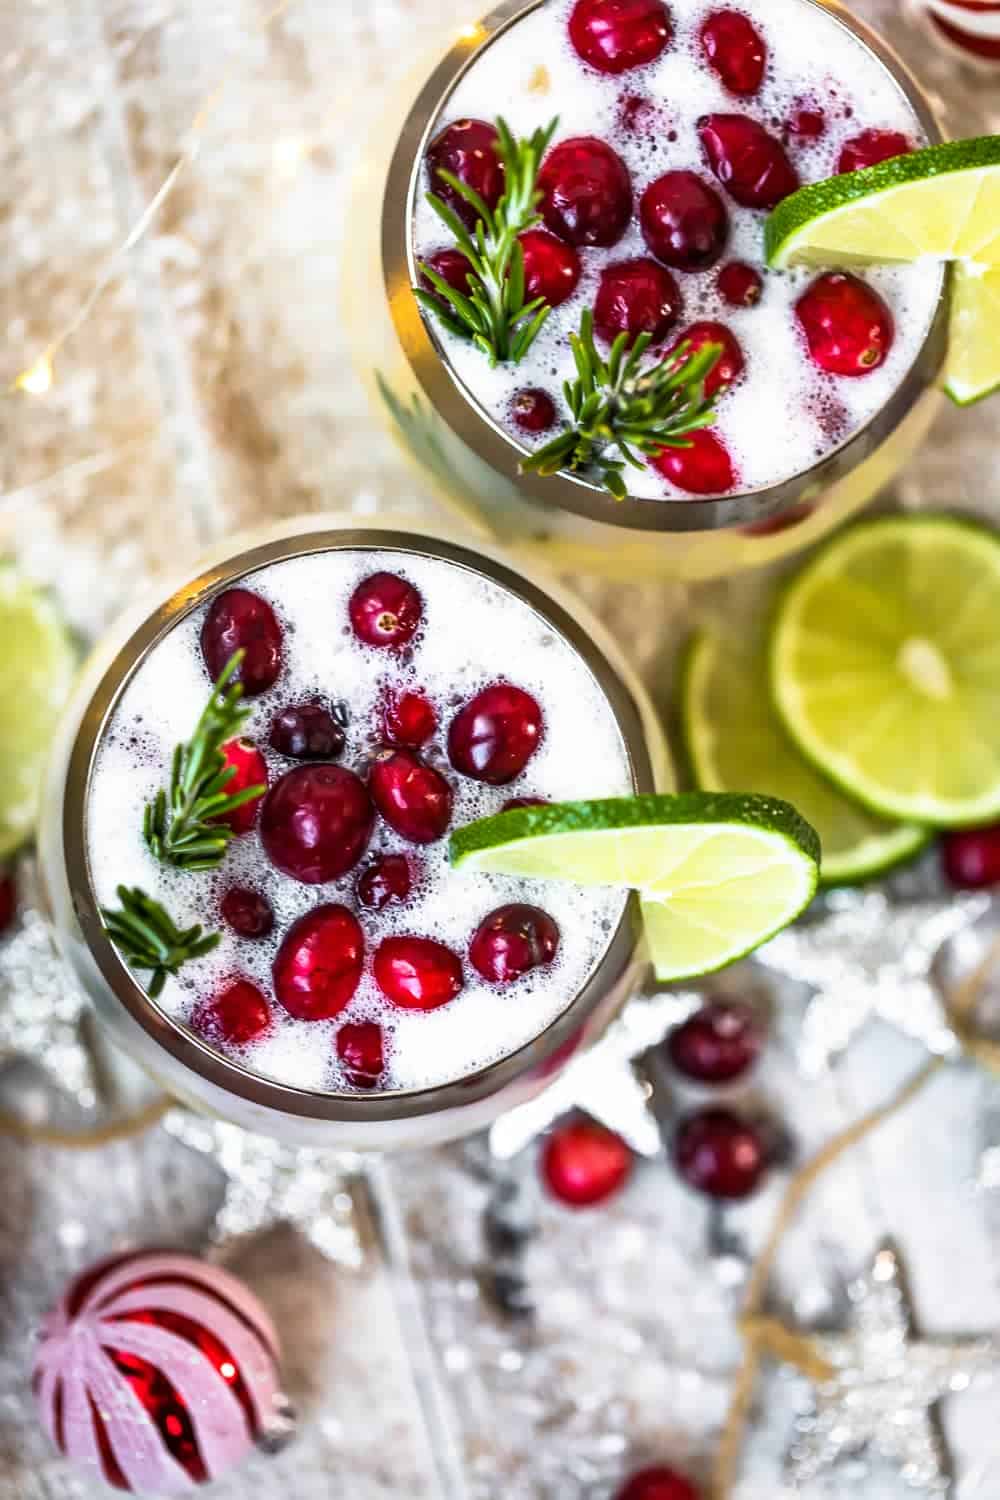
(848, 328)
(636, 296)
(361, 1049)
(514, 802)
(735, 50)
(250, 769)
(417, 973)
(684, 221)
(468, 150)
(512, 941)
(582, 1163)
(658, 1483)
(495, 735)
(8, 900)
(971, 857)
(412, 797)
(616, 35)
(551, 268)
(241, 621)
(452, 266)
(586, 192)
(871, 147)
(316, 823)
(386, 880)
(408, 719)
(807, 122)
(247, 912)
(307, 731)
(719, 1154)
(318, 966)
(740, 285)
(752, 166)
(386, 611)
(718, 1043)
(730, 364)
(238, 1016)
(533, 410)
(702, 468)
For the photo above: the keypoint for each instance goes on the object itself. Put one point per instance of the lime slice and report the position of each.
(38, 668)
(718, 875)
(734, 738)
(973, 369)
(885, 667)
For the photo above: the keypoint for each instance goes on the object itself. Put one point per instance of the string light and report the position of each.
(38, 379)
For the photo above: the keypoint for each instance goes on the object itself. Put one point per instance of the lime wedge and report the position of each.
(973, 369)
(39, 664)
(718, 875)
(885, 667)
(733, 737)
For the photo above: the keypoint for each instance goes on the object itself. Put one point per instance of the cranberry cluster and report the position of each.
(317, 818)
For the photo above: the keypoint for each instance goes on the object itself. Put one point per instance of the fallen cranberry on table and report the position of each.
(971, 857)
(718, 1044)
(658, 1483)
(720, 1154)
(8, 900)
(583, 1163)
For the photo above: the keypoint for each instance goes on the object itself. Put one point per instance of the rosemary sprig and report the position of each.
(493, 313)
(148, 938)
(620, 408)
(182, 828)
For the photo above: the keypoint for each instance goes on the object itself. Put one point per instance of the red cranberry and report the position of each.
(586, 192)
(871, 147)
(307, 731)
(417, 973)
(718, 1043)
(361, 1049)
(807, 122)
(8, 900)
(247, 912)
(385, 610)
(512, 941)
(740, 285)
(386, 880)
(316, 823)
(533, 410)
(241, 621)
(318, 966)
(551, 268)
(412, 797)
(515, 802)
(735, 50)
(583, 1163)
(848, 327)
(636, 296)
(468, 150)
(751, 165)
(452, 266)
(719, 1154)
(408, 719)
(658, 1483)
(684, 221)
(495, 735)
(971, 857)
(615, 35)
(730, 364)
(239, 1015)
(703, 468)
(250, 770)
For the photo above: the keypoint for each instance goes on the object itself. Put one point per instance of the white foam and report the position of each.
(474, 632)
(772, 419)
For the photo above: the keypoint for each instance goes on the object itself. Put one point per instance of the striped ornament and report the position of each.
(157, 1372)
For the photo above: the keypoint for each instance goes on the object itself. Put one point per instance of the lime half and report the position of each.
(39, 664)
(733, 737)
(718, 875)
(885, 667)
(973, 369)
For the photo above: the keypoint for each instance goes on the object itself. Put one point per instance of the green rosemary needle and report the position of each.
(147, 937)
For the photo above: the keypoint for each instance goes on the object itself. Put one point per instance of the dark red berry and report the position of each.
(586, 192)
(8, 900)
(386, 880)
(871, 147)
(239, 1015)
(408, 719)
(412, 797)
(807, 122)
(703, 468)
(247, 912)
(514, 802)
(615, 35)
(386, 610)
(361, 1049)
(533, 410)
(735, 50)
(452, 266)
(417, 973)
(307, 731)
(512, 941)
(730, 364)
(551, 268)
(848, 328)
(684, 221)
(740, 285)
(583, 1163)
(316, 823)
(971, 857)
(495, 735)
(658, 1483)
(752, 166)
(241, 621)
(718, 1043)
(468, 150)
(318, 966)
(250, 769)
(719, 1154)
(636, 296)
